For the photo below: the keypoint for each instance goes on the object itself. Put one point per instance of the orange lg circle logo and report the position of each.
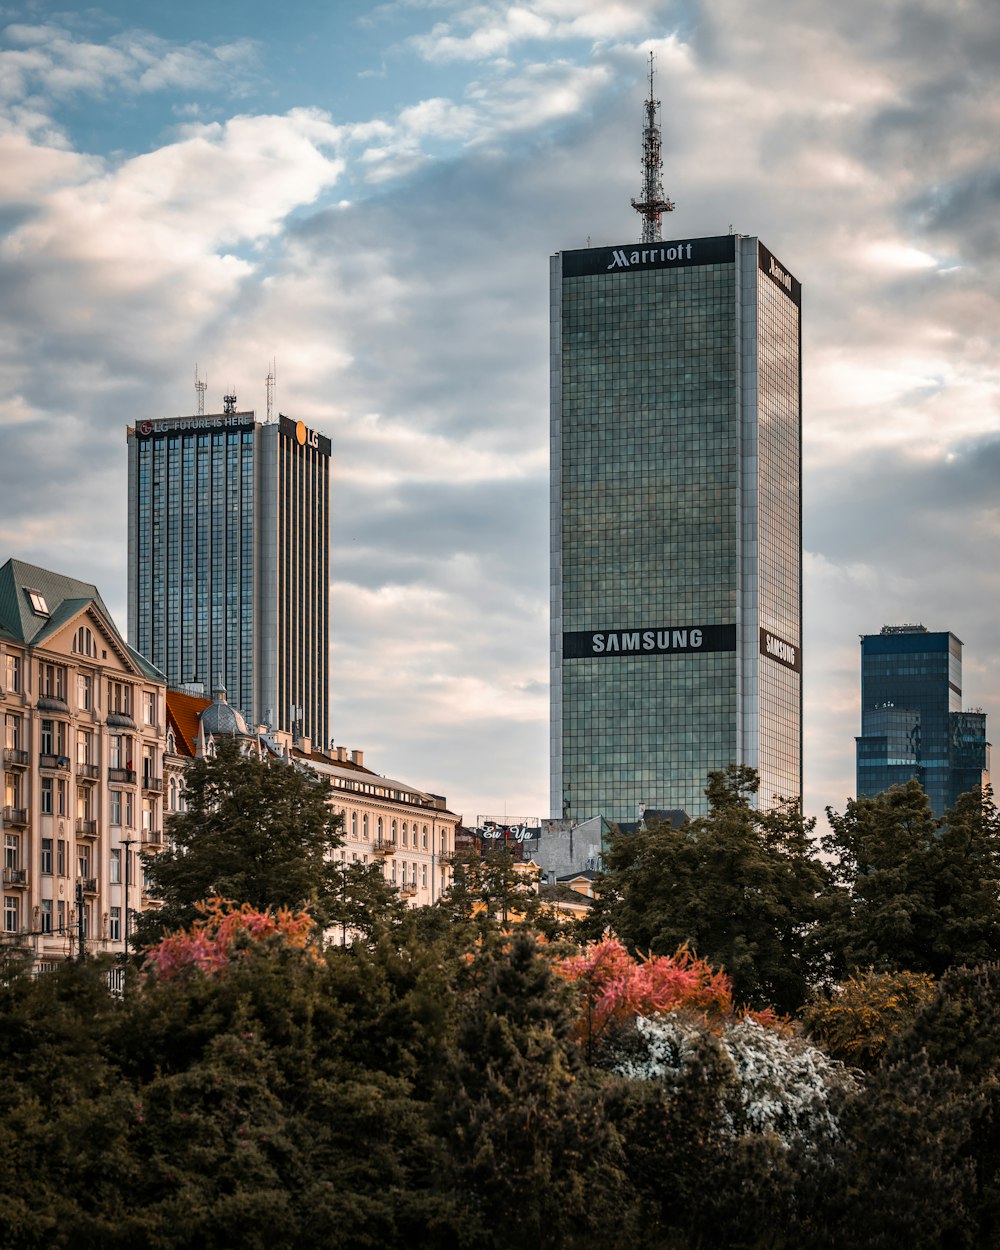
(300, 433)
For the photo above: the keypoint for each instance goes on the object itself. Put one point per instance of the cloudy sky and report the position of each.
(369, 194)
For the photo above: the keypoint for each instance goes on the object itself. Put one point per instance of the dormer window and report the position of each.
(37, 601)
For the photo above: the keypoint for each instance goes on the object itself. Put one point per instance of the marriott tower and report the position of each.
(676, 571)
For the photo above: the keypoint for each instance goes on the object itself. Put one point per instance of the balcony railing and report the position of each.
(15, 876)
(123, 775)
(408, 890)
(152, 783)
(12, 755)
(15, 815)
(87, 772)
(47, 760)
(86, 828)
(152, 837)
(384, 847)
(89, 885)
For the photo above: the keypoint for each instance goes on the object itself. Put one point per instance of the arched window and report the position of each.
(394, 831)
(83, 642)
(173, 794)
(354, 825)
(380, 828)
(364, 826)
(425, 837)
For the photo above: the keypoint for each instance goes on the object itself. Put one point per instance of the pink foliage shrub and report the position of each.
(226, 931)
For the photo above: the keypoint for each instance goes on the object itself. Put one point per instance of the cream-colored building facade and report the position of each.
(410, 832)
(84, 720)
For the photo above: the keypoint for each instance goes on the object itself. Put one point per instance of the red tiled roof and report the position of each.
(183, 711)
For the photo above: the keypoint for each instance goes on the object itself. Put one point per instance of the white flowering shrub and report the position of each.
(771, 1083)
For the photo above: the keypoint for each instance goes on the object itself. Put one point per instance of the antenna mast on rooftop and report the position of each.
(269, 384)
(653, 203)
(199, 389)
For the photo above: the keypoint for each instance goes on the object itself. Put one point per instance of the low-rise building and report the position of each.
(83, 766)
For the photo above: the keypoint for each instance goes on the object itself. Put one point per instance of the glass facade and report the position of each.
(912, 723)
(675, 447)
(225, 515)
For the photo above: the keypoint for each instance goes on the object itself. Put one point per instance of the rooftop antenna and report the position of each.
(269, 383)
(229, 403)
(199, 389)
(653, 203)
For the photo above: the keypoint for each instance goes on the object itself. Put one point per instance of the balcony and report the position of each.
(385, 847)
(86, 828)
(89, 885)
(15, 815)
(47, 760)
(12, 755)
(152, 783)
(151, 838)
(15, 876)
(408, 890)
(124, 776)
(87, 772)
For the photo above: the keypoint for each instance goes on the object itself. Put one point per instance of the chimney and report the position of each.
(342, 754)
(358, 757)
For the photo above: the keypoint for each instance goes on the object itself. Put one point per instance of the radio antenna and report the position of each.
(199, 391)
(269, 384)
(654, 203)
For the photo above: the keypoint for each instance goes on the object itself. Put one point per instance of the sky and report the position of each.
(368, 195)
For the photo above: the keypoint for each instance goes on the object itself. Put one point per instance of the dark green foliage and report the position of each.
(739, 887)
(918, 895)
(255, 832)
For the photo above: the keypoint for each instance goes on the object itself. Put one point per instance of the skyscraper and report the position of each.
(229, 561)
(912, 723)
(675, 523)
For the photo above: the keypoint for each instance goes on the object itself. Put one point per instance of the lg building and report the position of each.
(229, 561)
(675, 524)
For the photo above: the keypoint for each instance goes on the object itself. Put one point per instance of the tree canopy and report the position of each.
(740, 887)
(255, 831)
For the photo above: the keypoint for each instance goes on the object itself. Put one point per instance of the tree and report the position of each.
(255, 831)
(857, 1021)
(740, 887)
(919, 895)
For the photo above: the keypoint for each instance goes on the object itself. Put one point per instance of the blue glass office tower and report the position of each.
(912, 723)
(676, 585)
(229, 561)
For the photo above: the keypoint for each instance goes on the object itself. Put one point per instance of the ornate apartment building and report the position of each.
(84, 720)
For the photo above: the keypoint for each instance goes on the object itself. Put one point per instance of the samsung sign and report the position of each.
(653, 640)
(667, 255)
(782, 652)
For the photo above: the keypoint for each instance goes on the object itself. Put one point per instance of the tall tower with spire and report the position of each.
(676, 550)
(654, 203)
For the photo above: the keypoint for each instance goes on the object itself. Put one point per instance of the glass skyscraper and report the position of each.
(912, 723)
(229, 561)
(676, 584)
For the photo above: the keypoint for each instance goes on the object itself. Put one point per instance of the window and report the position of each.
(12, 673)
(12, 790)
(12, 732)
(60, 797)
(83, 803)
(171, 743)
(46, 858)
(444, 843)
(394, 833)
(45, 916)
(52, 681)
(120, 698)
(61, 857)
(37, 601)
(52, 740)
(83, 861)
(11, 913)
(423, 875)
(380, 828)
(115, 875)
(364, 826)
(172, 794)
(61, 915)
(120, 751)
(149, 706)
(115, 924)
(425, 838)
(354, 825)
(45, 794)
(85, 691)
(83, 642)
(11, 850)
(85, 747)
